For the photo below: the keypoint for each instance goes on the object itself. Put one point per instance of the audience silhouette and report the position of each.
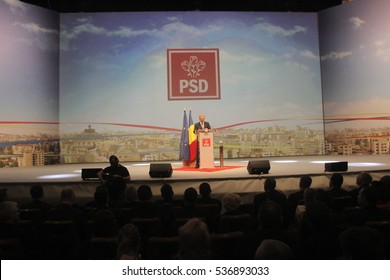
(68, 210)
(296, 198)
(167, 195)
(303, 226)
(205, 192)
(363, 180)
(271, 249)
(335, 185)
(194, 241)
(37, 195)
(129, 243)
(146, 207)
(271, 193)
(362, 243)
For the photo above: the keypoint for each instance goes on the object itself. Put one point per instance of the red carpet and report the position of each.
(216, 168)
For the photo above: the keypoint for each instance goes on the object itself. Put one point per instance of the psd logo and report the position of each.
(193, 74)
(206, 142)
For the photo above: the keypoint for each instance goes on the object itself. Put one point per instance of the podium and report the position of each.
(206, 149)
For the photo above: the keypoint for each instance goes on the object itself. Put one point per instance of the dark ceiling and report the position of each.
(72, 6)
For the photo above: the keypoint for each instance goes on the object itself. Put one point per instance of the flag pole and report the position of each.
(184, 149)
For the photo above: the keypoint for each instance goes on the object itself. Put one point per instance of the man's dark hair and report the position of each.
(205, 189)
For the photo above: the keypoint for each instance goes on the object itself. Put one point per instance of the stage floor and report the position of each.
(280, 166)
(286, 170)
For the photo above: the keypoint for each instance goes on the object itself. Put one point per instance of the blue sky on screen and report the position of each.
(355, 54)
(29, 63)
(113, 66)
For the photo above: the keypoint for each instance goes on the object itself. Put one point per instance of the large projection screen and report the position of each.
(114, 83)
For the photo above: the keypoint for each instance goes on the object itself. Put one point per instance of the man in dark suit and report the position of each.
(202, 125)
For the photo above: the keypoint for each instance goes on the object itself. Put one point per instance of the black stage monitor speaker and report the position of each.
(258, 166)
(90, 173)
(160, 170)
(336, 166)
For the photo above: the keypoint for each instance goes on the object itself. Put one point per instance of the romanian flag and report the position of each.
(192, 139)
(184, 150)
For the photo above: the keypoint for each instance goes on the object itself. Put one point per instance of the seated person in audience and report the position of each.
(324, 196)
(231, 204)
(362, 243)
(296, 198)
(9, 219)
(271, 249)
(384, 193)
(367, 201)
(9, 213)
(37, 202)
(3, 195)
(131, 197)
(129, 243)
(205, 195)
(271, 193)
(190, 208)
(335, 186)
(146, 207)
(363, 180)
(105, 223)
(69, 210)
(308, 197)
(270, 226)
(319, 234)
(168, 226)
(167, 194)
(194, 241)
(101, 203)
(91, 204)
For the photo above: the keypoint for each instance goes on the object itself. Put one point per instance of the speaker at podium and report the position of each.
(258, 167)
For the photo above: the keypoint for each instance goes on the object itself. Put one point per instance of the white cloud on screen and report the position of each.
(35, 28)
(356, 22)
(308, 54)
(85, 27)
(382, 49)
(126, 32)
(43, 38)
(15, 5)
(298, 66)
(336, 55)
(275, 30)
(244, 58)
(174, 27)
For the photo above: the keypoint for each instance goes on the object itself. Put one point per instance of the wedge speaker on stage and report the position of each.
(160, 170)
(258, 167)
(90, 173)
(336, 166)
